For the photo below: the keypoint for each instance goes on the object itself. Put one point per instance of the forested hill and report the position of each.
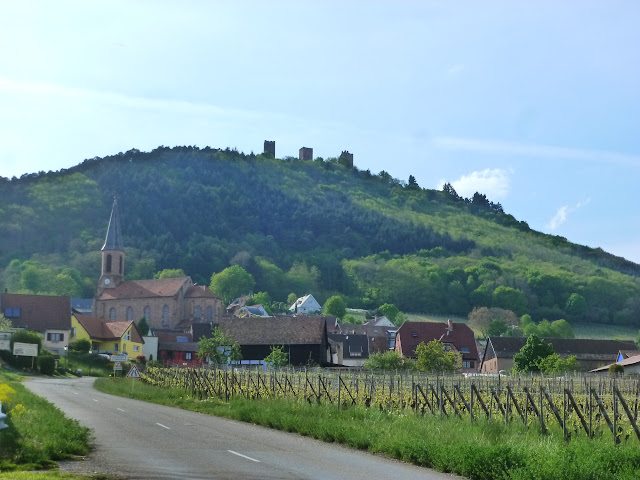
(303, 227)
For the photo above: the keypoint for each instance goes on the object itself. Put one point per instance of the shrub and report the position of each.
(81, 345)
(46, 363)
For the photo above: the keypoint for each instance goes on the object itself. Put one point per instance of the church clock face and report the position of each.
(107, 281)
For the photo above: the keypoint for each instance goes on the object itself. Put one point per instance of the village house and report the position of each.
(457, 337)
(50, 316)
(589, 353)
(108, 337)
(306, 305)
(348, 350)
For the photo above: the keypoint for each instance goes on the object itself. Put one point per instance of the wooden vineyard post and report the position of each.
(543, 427)
(617, 393)
(574, 405)
(604, 413)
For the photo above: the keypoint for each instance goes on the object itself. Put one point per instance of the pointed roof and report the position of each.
(113, 240)
(99, 329)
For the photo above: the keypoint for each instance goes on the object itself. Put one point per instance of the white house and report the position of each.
(306, 304)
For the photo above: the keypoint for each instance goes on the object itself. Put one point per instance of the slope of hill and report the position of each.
(314, 226)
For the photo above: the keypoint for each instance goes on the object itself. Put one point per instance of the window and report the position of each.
(73, 332)
(12, 312)
(55, 337)
(414, 334)
(197, 312)
(115, 347)
(127, 336)
(108, 266)
(165, 315)
(112, 313)
(147, 313)
(209, 314)
(129, 313)
(467, 364)
(464, 350)
(187, 355)
(136, 348)
(447, 347)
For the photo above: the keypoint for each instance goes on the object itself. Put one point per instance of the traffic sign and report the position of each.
(119, 358)
(133, 373)
(117, 366)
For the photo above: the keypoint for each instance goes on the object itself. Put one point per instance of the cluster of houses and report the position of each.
(179, 313)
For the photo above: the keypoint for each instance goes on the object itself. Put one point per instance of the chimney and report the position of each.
(449, 326)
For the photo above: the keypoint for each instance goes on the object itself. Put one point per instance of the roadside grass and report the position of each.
(482, 450)
(38, 433)
(52, 476)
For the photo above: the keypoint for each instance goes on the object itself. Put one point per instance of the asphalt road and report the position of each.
(139, 440)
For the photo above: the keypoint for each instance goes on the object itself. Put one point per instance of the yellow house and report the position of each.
(107, 337)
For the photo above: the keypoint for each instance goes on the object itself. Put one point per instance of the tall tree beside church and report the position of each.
(232, 282)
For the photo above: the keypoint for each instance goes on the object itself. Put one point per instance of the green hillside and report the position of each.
(301, 227)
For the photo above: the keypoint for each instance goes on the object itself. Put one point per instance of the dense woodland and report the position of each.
(301, 227)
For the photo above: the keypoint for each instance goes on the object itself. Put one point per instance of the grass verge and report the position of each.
(38, 433)
(481, 450)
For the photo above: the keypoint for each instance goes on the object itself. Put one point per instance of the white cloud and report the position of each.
(533, 150)
(563, 213)
(494, 183)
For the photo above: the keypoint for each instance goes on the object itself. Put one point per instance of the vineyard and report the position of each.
(591, 406)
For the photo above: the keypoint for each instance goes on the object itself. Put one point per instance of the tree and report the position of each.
(143, 326)
(434, 357)
(336, 306)
(510, 299)
(412, 185)
(393, 313)
(278, 357)
(529, 357)
(480, 318)
(220, 348)
(291, 298)
(562, 329)
(576, 305)
(5, 324)
(497, 327)
(80, 345)
(555, 364)
(232, 282)
(390, 360)
(170, 273)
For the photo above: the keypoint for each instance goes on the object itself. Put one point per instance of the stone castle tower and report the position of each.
(112, 273)
(305, 153)
(346, 159)
(270, 148)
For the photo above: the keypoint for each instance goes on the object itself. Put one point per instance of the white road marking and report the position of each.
(243, 456)
(120, 409)
(163, 426)
(75, 393)
(95, 400)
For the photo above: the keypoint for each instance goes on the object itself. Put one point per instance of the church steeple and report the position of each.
(113, 240)
(112, 252)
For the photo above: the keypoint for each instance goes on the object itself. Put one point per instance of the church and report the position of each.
(166, 304)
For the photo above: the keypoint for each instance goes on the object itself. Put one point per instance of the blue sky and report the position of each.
(534, 103)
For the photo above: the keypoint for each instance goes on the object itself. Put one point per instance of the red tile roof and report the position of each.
(165, 287)
(411, 334)
(199, 291)
(38, 312)
(99, 329)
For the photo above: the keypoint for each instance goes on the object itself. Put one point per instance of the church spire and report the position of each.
(112, 253)
(113, 240)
